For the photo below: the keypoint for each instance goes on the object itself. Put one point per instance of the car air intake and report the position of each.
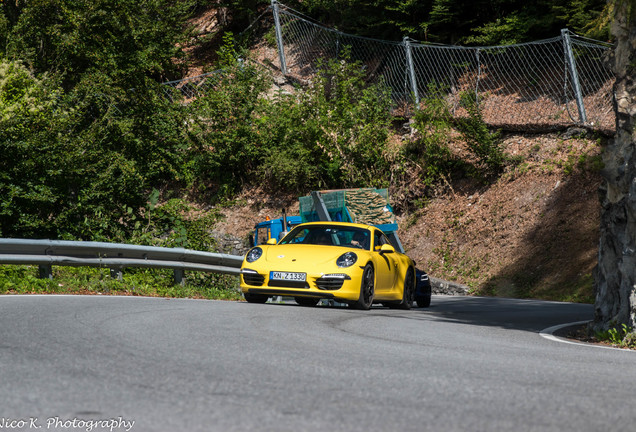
(331, 282)
(251, 277)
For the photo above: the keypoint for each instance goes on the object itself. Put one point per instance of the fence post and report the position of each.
(279, 38)
(409, 62)
(567, 43)
(478, 58)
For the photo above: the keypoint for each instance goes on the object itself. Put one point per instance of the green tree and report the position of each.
(31, 117)
(128, 40)
(480, 22)
(101, 136)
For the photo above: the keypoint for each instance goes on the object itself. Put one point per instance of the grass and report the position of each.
(135, 282)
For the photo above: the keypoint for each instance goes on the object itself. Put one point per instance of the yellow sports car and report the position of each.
(349, 263)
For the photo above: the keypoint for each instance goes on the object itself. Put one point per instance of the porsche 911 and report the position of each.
(349, 263)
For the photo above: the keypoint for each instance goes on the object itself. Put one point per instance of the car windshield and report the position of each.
(329, 235)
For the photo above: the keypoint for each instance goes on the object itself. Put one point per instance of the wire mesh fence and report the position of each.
(190, 88)
(537, 86)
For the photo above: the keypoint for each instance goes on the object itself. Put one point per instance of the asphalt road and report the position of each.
(465, 364)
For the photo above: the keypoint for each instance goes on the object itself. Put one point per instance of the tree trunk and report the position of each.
(616, 271)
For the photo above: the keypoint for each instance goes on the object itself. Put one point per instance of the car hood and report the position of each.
(296, 254)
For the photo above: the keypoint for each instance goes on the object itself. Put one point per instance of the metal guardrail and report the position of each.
(116, 256)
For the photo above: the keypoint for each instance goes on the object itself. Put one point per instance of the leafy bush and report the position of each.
(224, 147)
(74, 163)
(486, 145)
(175, 223)
(430, 149)
(332, 134)
(435, 126)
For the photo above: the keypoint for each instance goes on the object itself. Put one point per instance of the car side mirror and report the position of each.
(271, 241)
(386, 248)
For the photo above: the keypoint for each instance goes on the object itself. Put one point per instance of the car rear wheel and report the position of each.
(307, 301)
(423, 302)
(255, 298)
(367, 289)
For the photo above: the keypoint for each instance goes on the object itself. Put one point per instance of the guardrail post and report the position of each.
(45, 271)
(279, 39)
(117, 274)
(567, 43)
(178, 276)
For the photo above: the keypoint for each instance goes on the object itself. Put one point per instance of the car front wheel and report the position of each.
(255, 298)
(307, 301)
(367, 289)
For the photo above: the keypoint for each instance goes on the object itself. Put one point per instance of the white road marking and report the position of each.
(548, 334)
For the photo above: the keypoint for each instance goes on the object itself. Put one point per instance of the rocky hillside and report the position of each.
(532, 233)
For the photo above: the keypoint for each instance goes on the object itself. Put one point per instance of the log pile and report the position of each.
(367, 206)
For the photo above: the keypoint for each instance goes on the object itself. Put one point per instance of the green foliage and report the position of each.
(127, 40)
(31, 118)
(622, 337)
(586, 17)
(478, 22)
(83, 159)
(437, 128)
(223, 140)
(430, 150)
(332, 135)
(290, 157)
(175, 223)
(486, 145)
(139, 282)
(507, 30)
(82, 143)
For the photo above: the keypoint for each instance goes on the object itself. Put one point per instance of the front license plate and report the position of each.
(288, 276)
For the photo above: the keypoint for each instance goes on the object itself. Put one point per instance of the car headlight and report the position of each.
(254, 254)
(347, 259)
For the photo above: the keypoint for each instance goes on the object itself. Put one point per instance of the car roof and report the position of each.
(337, 224)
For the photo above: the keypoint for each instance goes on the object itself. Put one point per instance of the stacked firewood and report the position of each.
(368, 207)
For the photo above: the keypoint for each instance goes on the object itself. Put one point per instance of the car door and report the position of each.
(386, 265)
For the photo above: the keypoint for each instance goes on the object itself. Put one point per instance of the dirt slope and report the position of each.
(533, 233)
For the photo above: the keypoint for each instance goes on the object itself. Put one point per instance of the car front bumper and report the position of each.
(336, 286)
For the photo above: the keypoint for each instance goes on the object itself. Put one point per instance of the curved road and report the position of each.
(465, 364)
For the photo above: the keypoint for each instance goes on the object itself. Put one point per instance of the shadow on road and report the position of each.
(507, 313)
(527, 315)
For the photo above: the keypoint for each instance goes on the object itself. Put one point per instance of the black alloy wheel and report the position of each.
(307, 301)
(367, 289)
(409, 291)
(255, 298)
